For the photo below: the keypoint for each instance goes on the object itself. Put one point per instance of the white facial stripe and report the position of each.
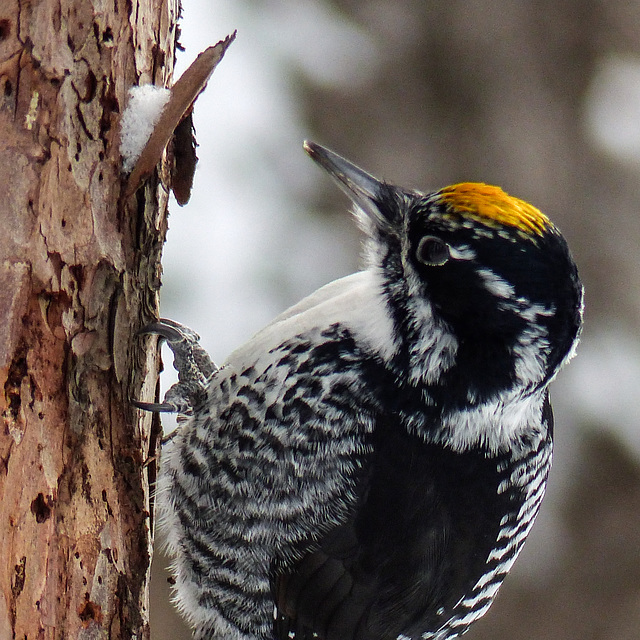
(532, 345)
(499, 287)
(434, 351)
(462, 252)
(531, 351)
(496, 285)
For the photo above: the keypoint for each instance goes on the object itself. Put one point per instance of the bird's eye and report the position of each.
(432, 251)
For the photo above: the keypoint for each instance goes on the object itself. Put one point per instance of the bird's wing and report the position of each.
(416, 543)
(353, 302)
(345, 591)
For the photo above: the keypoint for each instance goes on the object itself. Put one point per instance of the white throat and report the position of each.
(497, 425)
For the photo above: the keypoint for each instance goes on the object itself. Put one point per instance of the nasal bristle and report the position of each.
(492, 206)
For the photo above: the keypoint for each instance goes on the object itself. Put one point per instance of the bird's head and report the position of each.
(481, 287)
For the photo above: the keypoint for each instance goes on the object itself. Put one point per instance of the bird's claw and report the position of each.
(190, 360)
(169, 330)
(156, 407)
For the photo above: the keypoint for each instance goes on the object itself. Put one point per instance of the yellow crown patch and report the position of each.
(492, 206)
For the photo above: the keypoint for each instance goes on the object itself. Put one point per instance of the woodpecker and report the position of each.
(369, 465)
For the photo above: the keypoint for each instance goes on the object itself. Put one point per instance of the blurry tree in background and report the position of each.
(542, 98)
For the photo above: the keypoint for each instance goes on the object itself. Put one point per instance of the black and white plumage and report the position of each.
(368, 466)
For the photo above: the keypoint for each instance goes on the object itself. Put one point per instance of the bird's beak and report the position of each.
(362, 188)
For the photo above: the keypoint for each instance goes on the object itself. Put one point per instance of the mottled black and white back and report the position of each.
(368, 466)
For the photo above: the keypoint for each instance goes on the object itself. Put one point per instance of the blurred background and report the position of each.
(540, 97)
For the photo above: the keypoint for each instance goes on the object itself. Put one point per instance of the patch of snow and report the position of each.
(141, 115)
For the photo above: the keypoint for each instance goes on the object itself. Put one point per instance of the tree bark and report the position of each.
(79, 272)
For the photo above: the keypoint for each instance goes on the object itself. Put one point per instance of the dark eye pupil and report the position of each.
(432, 251)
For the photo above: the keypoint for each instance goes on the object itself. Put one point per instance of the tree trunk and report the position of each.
(79, 272)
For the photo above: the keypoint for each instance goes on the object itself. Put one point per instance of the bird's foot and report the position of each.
(192, 363)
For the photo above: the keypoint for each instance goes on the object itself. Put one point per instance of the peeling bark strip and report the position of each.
(183, 94)
(79, 271)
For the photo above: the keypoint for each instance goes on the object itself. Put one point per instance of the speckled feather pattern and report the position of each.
(270, 460)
